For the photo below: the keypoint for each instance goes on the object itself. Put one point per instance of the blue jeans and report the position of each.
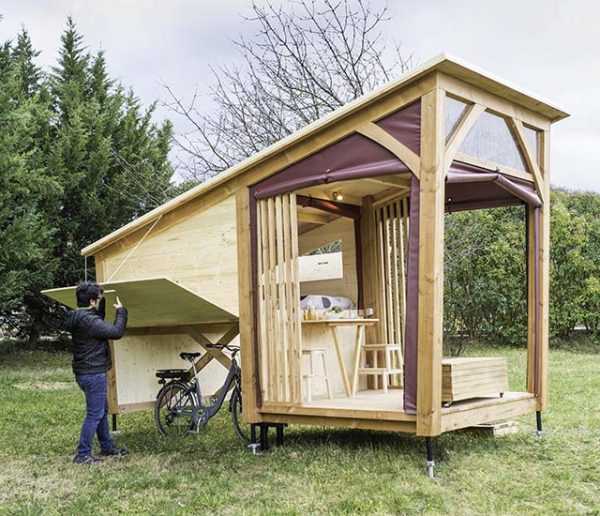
(94, 387)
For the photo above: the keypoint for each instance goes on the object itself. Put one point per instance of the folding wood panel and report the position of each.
(153, 302)
(279, 299)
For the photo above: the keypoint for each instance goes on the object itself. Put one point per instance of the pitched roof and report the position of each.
(443, 63)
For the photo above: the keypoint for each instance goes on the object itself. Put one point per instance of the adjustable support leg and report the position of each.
(538, 420)
(279, 436)
(264, 437)
(254, 444)
(430, 461)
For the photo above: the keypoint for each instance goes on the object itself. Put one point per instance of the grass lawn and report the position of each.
(319, 469)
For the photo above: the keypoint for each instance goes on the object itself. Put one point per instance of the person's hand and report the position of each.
(118, 304)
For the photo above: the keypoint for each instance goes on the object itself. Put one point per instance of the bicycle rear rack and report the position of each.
(172, 374)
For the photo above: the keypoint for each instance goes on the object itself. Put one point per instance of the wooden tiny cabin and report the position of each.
(346, 212)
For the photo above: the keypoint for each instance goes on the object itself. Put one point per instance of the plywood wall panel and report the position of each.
(200, 252)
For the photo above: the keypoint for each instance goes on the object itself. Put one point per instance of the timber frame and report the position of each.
(426, 172)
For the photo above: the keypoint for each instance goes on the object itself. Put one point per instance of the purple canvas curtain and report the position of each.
(411, 336)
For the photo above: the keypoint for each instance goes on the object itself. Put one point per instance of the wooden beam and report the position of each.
(390, 195)
(223, 359)
(342, 422)
(465, 124)
(399, 181)
(248, 351)
(431, 265)
(156, 330)
(313, 218)
(529, 155)
(494, 167)
(386, 140)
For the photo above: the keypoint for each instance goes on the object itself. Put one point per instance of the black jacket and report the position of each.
(90, 335)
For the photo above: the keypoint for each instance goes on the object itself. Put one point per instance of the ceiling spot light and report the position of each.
(337, 196)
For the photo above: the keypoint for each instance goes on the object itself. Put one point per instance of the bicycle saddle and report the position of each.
(189, 356)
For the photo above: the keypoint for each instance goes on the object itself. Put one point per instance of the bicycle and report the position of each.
(180, 409)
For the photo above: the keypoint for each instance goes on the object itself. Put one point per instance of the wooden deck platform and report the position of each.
(376, 410)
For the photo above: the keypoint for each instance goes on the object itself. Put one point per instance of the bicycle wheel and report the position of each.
(242, 430)
(173, 411)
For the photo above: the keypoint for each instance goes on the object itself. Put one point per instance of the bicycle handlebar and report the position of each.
(228, 347)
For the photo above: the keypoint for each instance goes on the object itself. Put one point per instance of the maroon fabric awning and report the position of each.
(405, 126)
(469, 188)
(354, 157)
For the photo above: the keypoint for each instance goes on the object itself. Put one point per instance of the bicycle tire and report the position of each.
(242, 430)
(172, 412)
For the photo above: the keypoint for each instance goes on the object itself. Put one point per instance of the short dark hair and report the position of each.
(86, 292)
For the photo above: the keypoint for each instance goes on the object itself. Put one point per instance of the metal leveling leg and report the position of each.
(430, 461)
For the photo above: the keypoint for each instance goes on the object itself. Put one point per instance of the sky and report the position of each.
(548, 47)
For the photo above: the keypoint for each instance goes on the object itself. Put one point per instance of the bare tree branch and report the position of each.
(305, 60)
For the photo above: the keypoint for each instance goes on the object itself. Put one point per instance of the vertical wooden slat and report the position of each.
(251, 364)
(289, 331)
(388, 279)
(261, 296)
(370, 266)
(381, 270)
(279, 344)
(401, 271)
(296, 318)
(273, 313)
(282, 229)
(267, 309)
(395, 223)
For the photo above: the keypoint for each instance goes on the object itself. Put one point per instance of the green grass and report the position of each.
(319, 470)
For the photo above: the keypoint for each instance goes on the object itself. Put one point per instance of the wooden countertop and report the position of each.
(343, 322)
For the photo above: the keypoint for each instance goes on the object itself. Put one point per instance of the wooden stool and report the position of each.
(389, 369)
(313, 354)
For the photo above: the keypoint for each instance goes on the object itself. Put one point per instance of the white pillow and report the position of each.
(319, 302)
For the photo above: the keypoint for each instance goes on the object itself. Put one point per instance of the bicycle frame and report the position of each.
(213, 408)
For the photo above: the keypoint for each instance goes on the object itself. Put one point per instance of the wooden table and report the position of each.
(350, 386)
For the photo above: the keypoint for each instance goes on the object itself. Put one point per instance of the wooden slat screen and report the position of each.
(279, 299)
(391, 222)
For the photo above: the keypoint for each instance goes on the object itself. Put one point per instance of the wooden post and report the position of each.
(544, 146)
(431, 265)
(530, 300)
(246, 288)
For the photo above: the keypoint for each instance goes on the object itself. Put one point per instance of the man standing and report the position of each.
(91, 360)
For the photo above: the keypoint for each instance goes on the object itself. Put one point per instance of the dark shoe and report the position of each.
(114, 452)
(87, 459)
